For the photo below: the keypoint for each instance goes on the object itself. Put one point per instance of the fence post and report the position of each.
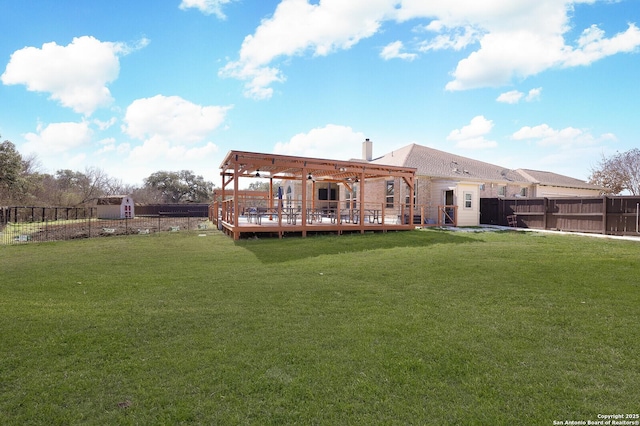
(605, 203)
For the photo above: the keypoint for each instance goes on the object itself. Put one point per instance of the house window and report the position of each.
(523, 192)
(468, 198)
(390, 193)
(502, 191)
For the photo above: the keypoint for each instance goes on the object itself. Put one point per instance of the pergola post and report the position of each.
(361, 201)
(410, 184)
(236, 215)
(303, 213)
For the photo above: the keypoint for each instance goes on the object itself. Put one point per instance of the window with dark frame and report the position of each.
(468, 198)
(390, 193)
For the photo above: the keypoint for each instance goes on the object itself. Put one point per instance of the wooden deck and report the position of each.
(321, 196)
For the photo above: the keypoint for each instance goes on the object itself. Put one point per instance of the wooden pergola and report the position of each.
(236, 219)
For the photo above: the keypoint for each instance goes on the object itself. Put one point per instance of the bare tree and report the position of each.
(620, 172)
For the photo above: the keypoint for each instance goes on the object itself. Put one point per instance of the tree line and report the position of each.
(21, 183)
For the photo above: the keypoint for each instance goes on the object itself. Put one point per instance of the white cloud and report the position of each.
(534, 94)
(472, 136)
(160, 151)
(156, 154)
(208, 7)
(515, 96)
(331, 141)
(104, 125)
(477, 127)
(76, 75)
(297, 27)
(454, 38)
(505, 56)
(593, 46)
(174, 135)
(57, 138)
(393, 50)
(171, 118)
(515, 39)
(108, 145)
(511, 97)
(567, 138)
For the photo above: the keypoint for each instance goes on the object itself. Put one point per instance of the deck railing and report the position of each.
(283, 215)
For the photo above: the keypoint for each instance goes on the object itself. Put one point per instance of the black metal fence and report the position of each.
(610, 215)
(39, 224)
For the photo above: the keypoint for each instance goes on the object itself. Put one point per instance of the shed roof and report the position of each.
(111, 200)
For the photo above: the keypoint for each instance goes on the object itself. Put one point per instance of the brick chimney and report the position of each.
(367, 150)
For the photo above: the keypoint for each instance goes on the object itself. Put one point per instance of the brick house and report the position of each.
(444, 179)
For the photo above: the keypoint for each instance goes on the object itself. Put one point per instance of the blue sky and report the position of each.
(135, 87)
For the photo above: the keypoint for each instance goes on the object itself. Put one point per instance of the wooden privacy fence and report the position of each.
(609, 215)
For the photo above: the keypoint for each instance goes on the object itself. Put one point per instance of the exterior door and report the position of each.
(449, 211)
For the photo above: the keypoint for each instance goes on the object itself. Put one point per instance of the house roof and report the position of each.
(440, 164)
(553, 179)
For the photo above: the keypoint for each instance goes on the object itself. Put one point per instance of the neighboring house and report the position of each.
(444, 179)
(115, 207)
(548, 184)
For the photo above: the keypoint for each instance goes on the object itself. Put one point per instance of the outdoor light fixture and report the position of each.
(258, 173)
(309, 177)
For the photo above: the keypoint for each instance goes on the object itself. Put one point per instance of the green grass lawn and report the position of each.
(420, 327)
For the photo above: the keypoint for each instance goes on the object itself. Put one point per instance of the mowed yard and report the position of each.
(419, 327)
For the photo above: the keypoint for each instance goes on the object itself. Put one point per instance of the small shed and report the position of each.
(115, 207)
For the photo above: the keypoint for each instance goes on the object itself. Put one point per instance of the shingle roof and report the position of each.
(435, 163)
(553, 179)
